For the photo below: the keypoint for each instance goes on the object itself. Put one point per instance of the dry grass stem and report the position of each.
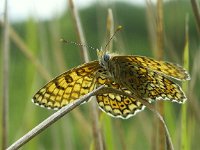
(159, 55)
(5, 80)
(96, 127)
(79, 30)
(196, 11)
(52, 119)
(110, 28)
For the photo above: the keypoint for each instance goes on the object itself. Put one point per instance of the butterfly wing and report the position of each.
(68, 86)
(168, 69)
(117, 105)
(146, 83)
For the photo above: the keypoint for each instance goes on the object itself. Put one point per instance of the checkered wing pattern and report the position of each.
(147, 81)
(68, 86)
(162, 67)
(117, 105)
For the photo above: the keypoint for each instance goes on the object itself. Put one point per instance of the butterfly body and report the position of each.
(140, 76)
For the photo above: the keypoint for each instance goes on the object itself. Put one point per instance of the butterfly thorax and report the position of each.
(105, 61)
(103, 57)
(122, 72)
(112, 68)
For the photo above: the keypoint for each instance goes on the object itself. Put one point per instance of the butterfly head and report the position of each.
(103, 57)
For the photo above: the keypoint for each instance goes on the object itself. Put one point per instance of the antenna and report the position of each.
(78, 44)
(118, 29)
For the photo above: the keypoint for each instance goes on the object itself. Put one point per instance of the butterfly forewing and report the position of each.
(163, 67)
(117, 105)
(68, 86)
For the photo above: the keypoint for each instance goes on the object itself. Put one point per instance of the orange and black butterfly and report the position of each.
(140, 76)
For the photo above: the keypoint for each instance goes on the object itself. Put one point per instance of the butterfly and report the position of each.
(140, 76)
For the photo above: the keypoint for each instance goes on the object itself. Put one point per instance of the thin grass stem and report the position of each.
(97, 135)
(196, 11)
(184, 135)
(159, 55)
(5, 79)
(51, 119)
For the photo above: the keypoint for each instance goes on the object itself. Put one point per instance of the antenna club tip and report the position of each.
(119, 27)
(63, 40)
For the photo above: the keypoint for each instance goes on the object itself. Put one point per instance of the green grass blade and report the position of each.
(184, 139)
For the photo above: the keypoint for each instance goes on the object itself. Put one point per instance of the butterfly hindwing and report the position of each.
(117, 105)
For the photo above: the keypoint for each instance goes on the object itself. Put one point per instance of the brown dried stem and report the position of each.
(52, 119)
(110, 28)
(96, 127)
(159, 55)
(5, 80)
(79, 30)
(196, 11)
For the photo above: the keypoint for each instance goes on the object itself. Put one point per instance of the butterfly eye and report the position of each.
(106, 57)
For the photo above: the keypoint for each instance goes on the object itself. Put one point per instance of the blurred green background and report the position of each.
(74, 131)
